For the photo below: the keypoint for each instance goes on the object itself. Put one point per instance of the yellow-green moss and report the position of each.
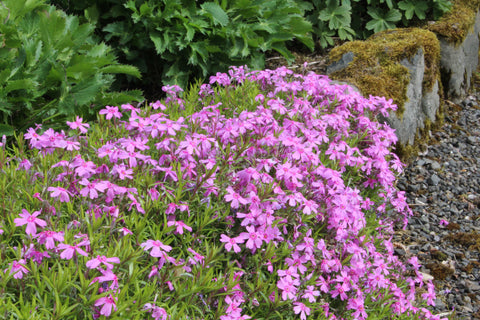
(376, 67)
(458, 22)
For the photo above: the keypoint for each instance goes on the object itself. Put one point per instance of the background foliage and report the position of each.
(358, 19)
(50, 67)
(174, 41)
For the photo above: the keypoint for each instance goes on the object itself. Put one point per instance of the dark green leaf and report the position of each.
(218, 14)
(6, 129)
(125, 69)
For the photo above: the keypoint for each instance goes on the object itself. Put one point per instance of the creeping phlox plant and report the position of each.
(262, 195)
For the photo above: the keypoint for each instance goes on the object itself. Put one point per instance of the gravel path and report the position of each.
(443, 183)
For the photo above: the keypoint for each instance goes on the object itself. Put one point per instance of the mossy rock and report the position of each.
(455, 25)
(376, 68)
(383, 65)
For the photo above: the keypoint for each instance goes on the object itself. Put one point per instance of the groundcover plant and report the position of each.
(262, 195)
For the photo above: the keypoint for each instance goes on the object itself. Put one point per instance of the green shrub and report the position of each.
(350, 19)
(174, 41)
(264, 195)
(50, 68)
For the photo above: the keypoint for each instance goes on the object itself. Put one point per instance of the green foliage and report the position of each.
(174, 41)
(350, 19)
(51, 69)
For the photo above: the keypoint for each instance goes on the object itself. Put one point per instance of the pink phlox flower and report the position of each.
(171, 126)
(50, 139)
(180, 226)
(132, 157)
(31, 221)
(129, 107)
(309, 207)
(232, 242)
(277, 105)
(444, 222)
(107, 275)
(377, 279)
(63, 194)
(33, 136)
(381, 265)
(192, 146)
(235, 198)
(171, 208)
(323, 284)
(341, 290)
(288, 287)
(126, 231)
(357, 304)
(189, 171)
(107, 303)
(24, 164)
(111, 112)
(71, 145)
(157, 104)
(139, 123)
(247, 218)
(289, 274)
(297, 262)
(209, 163)
(112, 190)
(154, 194)
(308, 244)
(310, 293)
(429, 296)
(233, 309)
(69, 250)
(91, 188)
(18, 269)
(153, 272)
(83, 168)
(266, 218)
(95, 263)
(1, 231)
(254, 239)
(48, 237)
(197, 258)
(265, 164)
(160, 314)
(135, 203)
(122, 171)
(33, 254)
(77, 124)
(157, 247)
(112, 211)
(157, 312)
(302, 309)
(131, 144)
(414, 262)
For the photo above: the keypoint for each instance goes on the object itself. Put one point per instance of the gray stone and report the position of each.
(431, 102)
(433, 180)
(459, 62)
(435, 165)
(342, 63)
(473, 286)
(419, 105)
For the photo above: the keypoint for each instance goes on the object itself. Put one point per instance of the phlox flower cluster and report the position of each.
(298, 192)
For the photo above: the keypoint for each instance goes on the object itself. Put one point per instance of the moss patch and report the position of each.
(376, 67)
(456, 24)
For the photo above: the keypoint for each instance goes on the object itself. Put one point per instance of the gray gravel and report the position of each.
(443, 183)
